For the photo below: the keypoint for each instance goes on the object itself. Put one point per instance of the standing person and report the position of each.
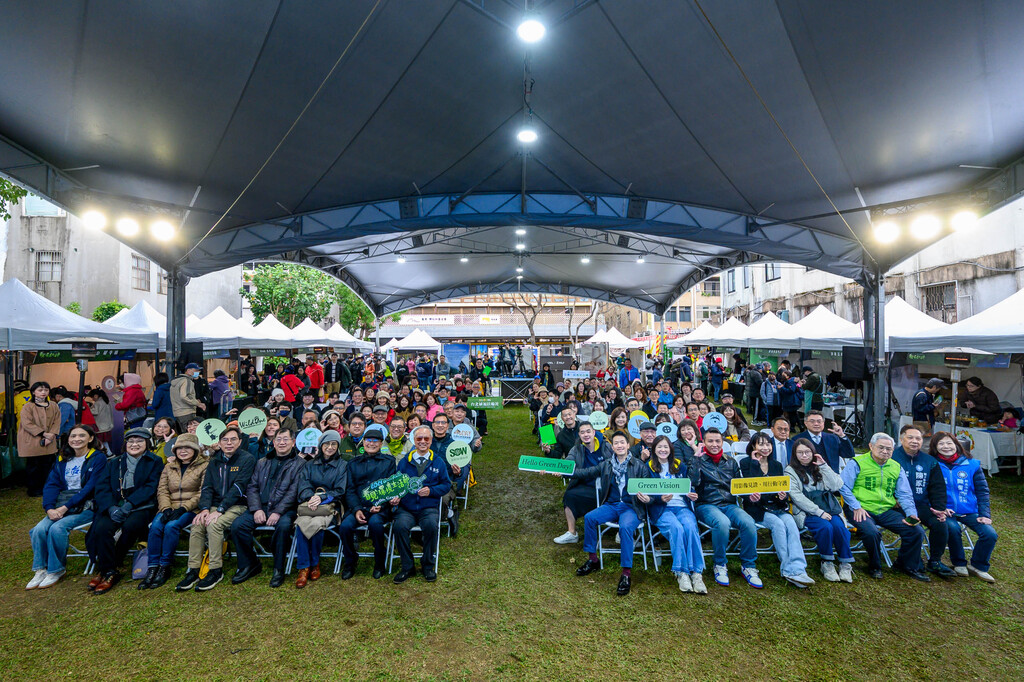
(425, 372)
(421, 508)
(752, 392)
(161, 402)
(315, 374)
(717, 378)
(125, 504)
(37, 437)
(292, 385)
(770, 396)
(980, 401)
(177, 495)
(923, 405)
(628, 374)
(335, 374)
(322, 484)
(99, 405)
(219, 387)
(443, 369)
(813, 486)
(67, 501)
(790, 396)
(373, 465)
(814, 390)
(184, 402)
(547, 377)
(133, 402)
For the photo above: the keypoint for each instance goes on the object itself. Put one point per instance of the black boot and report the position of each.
(162, 574)
(147, 582)
(277, 579)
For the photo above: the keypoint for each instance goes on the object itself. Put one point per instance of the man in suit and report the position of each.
(782, 444)
(832, 446)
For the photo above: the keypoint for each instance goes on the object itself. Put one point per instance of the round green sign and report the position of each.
(209, 431)
(599, 420)
(252, 421)
(459, 453)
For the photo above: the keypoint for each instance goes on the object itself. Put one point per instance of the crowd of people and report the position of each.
(836, 500)
(374, 424)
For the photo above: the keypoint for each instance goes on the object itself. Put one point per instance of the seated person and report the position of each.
(782, 444)
(126, 502)
(565, 437)
(712, 471)
(397, 443)
(832, 446)
(351, 445)
(221, 501)
(967, 502)
(772, 511)
(617, 505)
(737, 429)
(271, 496)
(67, 494)
(878, 483)
(321, 488)
(421, 508)
(642, 449)
(177, 497)
(1009, 421)
(813, 486)
(674, 517)
(373, 465)
(460, 416)
(579, 498)
(308, 405)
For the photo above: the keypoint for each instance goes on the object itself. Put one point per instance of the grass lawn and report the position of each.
(508, 606)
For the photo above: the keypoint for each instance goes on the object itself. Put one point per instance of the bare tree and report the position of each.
(535, 306)
(574, 335)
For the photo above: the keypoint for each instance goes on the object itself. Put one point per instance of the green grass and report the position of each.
(508, 606)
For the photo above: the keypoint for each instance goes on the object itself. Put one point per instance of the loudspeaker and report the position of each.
(855, 364)
(191, 351)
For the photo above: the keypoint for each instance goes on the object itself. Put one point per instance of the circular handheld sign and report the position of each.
(209, 431)
(667, 429)
(252, 421)
(715, 420)
(108, 383)
(599, 420)
(458, 453)
(307, 438)
(635, 422)
(463, 432)
(560, 421)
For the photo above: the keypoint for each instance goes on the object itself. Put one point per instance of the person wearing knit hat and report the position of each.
(331, 420)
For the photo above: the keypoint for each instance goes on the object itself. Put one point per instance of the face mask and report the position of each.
(551, 401)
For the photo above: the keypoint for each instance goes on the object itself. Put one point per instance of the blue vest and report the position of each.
(960, 496)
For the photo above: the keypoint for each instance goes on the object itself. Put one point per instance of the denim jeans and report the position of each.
(50, 541)
(163, 539)
(987, 537)
(307, 550)
(786, 537)
(723, 517)
(679, 525)
(620, 513)
(833, 537)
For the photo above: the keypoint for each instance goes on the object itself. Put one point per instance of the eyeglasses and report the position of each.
(230, 439)
(422, 438)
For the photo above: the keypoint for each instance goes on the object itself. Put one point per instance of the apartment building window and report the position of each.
(746, 276)
(705, 313)
(140, 272)
(49, 266)
(772, 271)
(34, 207)
(161, 280)
(732, 281)
(712, 287)
(940, 301)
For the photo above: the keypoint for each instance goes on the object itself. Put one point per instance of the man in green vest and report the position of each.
(882, 498)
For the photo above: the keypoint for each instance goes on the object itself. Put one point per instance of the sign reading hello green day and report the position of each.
(547, 464)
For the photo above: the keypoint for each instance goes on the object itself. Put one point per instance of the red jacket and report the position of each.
(291, 385)
(315, 372)
(133, 397)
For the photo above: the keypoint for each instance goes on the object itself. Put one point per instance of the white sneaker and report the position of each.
(684, 582)
(828, 570)
(961, 571)
(721, 576)
(803, 578)
(50, 579)
(984, 575)
(752, 578)
(567, 538)
(618, 540)
(846, 572)
(697, 580)
(36, 579)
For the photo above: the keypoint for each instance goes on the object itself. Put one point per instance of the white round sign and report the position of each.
(307, 438)
(667, 429)
(634, 424)
(599, 420)
(458, 453)
(463, 432)
(715, 420)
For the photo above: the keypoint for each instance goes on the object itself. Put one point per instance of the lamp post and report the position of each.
(83, 349)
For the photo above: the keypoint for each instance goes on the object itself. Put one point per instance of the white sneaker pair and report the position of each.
(36, 579)
(49, 580)
(567, 538)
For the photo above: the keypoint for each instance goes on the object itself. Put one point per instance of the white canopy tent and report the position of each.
(770, 332)
(141, 317)
(732, 332)
(29, 321)
(999, 329)
(697, 337)
(616, 339)
(597, 338)
(822, 329)
(341, 338)
(416, 340)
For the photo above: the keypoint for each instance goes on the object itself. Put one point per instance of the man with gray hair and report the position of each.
(881, 497)
(421, 508)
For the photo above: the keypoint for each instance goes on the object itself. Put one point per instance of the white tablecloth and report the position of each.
(988, 445)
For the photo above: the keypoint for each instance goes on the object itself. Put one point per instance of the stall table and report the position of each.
(989, 446)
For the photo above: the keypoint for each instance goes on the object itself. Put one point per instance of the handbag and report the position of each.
(328, 509)
(135, 414)
(65, 496)
(825, 500)
(140, 564)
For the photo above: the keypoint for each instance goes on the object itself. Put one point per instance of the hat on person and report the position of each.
(323, 417)
(725, 394)
(644, 426)
(277, 392)
(376, 431)
(138, 432)
(192, 365)
(187, 440)
(380, 408)
(936, 383)
(329, 436)
(460, 406)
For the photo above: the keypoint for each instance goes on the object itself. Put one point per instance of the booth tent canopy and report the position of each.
(999, 329)
(616, 339)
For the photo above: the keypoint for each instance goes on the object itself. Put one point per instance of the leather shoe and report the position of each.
(404, 575)
(108, 582)
(347, 572)
(314, 573)
(303, 578)
(277, 579)
(913, 573)
(147, 582)
(244, 574)
(162, 574)
(623, 588)
(940, 569)
(378, 573)
(876, 573)
(96, 580)
(429, 574)
(588, 567)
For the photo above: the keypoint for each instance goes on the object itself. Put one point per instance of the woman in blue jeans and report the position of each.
(813, 486)
(673, 515)
(68, 501)
(177, 495)
(967, 502)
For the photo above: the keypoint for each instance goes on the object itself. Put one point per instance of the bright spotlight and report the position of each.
(520, 246)
(639, 259)
(530, 31)
(886, 231)
(127, 227)
(463, 260)
(401, 259)
(94, 220)
(925, 226)
(519, 276)
(162, 230)
(519, 269)
(527, 135)
(521, 231)
(964, 220)
(585, 260)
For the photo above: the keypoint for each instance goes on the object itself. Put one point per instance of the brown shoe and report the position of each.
(303, 578)
(96, 580)
(314, 573)
(108, 582)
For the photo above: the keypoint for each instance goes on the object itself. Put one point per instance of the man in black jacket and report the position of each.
(308, 404)
(271, 497)
(221, 501)
(337, 375)
(372, 465)
(566, 437)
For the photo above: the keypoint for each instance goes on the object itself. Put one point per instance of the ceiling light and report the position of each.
(519, 269)
(401, 259)
(162, 230)
(527, 135)
(128, 227)
(520, 246)
(585, 260)
(519, 276)
(886, 231)
(639, 259)
(925, 226)
(530, 31)
(964, 220)
(94, 220)
(463, 260)
(521, 231)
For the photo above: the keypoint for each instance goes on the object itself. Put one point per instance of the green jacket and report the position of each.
(874, 489)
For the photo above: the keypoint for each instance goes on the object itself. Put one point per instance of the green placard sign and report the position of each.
(548, 464)
(485, 402)
(209, 431)
(458, 453)
(396, 485)
(252, 421)
(547, 435)
(658, 486)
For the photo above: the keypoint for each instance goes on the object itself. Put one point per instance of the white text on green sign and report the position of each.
(658, 486)
(555, 466)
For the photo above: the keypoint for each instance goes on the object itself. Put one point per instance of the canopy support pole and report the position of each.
(874, 341)
(175, 317)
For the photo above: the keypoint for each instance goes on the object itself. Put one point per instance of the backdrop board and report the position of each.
(558, 363)
(593, 357)
(456, 354)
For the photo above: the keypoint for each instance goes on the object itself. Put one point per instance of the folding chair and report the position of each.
(465, 494)
(393, 550)
(611, 525)
(76, 552)
(369, 555)
(336, 555)
(656, 554)
(263, 553)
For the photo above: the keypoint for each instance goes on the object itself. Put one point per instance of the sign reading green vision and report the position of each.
(392, 486)
(658, 486)
(547, 464)
(485, 402)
